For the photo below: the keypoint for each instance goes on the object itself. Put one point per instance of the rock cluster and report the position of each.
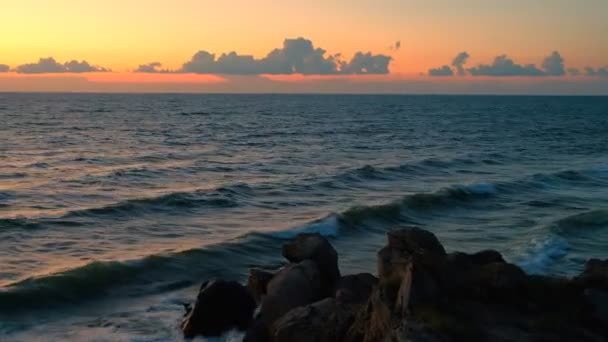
(422, 293)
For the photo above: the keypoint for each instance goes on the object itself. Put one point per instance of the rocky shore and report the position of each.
(420, 293)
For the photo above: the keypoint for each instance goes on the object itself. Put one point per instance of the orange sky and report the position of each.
(122, 34)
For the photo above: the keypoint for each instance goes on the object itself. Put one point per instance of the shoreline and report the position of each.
(419, 293)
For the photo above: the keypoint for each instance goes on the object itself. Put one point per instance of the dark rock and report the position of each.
(595, 274)
(415, 241)
(257, 283)
(313, 322)
(487, 257)
(257, 332)
(598, 300)
(220, 306)
(355, 288)
(316, 248)
(295, 285)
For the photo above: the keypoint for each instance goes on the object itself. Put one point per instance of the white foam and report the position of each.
(543, 253)
(327, 226)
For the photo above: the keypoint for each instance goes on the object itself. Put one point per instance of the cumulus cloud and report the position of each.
(50, 65)
(553, 65)
(459, 61)
(601, 72)
(297, 56)
(505, 66)
(4, 68)
(153, 67)
(441, 71)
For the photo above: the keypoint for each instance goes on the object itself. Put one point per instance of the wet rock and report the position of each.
(595, 274)
(257, 283)
(295, 285)
(355, 288)
(220, 306)
(316, 248)
(314, 322)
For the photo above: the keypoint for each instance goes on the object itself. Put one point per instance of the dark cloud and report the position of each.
(601, 72)
(505, 66)
(441, 71)
(151, 68)
(459, 61)
(366, 63)
(4, 68)
(553, 65)
(297, 56)
(50, 65)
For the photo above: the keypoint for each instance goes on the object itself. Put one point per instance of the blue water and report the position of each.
(113, 208)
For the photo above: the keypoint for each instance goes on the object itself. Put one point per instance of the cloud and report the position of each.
(151, 68)
(396, 46)
(505, 66)
(441, 71)
(4, 68)
(553, 65)
(459, 61)
(297, 56)
(366, 63)
(601, 72)
(50, 65)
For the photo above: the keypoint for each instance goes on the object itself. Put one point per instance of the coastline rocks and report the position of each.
(316, 248)
(422, 293)
(595, 274)
(220, 306)
(355, 288)
(257, 283)
(295, 285)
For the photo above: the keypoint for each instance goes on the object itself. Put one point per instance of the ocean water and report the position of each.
(114, 208)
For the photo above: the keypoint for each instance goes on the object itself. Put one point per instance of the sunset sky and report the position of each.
(416, 38)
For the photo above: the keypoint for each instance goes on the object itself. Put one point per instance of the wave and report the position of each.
(543, 253)
(170, 271)
(585, 220)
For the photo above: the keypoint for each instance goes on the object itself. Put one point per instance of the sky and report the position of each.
(409, 46)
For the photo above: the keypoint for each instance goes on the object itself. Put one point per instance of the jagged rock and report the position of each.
(295, 285)
(598, 300)
(595, 274)
(316, 248)
(220, 306)
(355, 288)
(388, 304)
(257, 283)
(313, 322)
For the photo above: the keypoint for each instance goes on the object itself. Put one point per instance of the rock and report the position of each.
(220, 306)
(355, 288)
(387, 306)
(257, 283)
(295, 285)
(595, 274)
(313, 322)
(411, 243)
(316, 248)
(598, 300)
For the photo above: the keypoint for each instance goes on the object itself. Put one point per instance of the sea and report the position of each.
(114, 208)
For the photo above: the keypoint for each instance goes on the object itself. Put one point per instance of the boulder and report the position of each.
(295, 285)
(257, 283)
(220, 306)
(314, 322)
(316, 248)
(595, 274)
(355, 288)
